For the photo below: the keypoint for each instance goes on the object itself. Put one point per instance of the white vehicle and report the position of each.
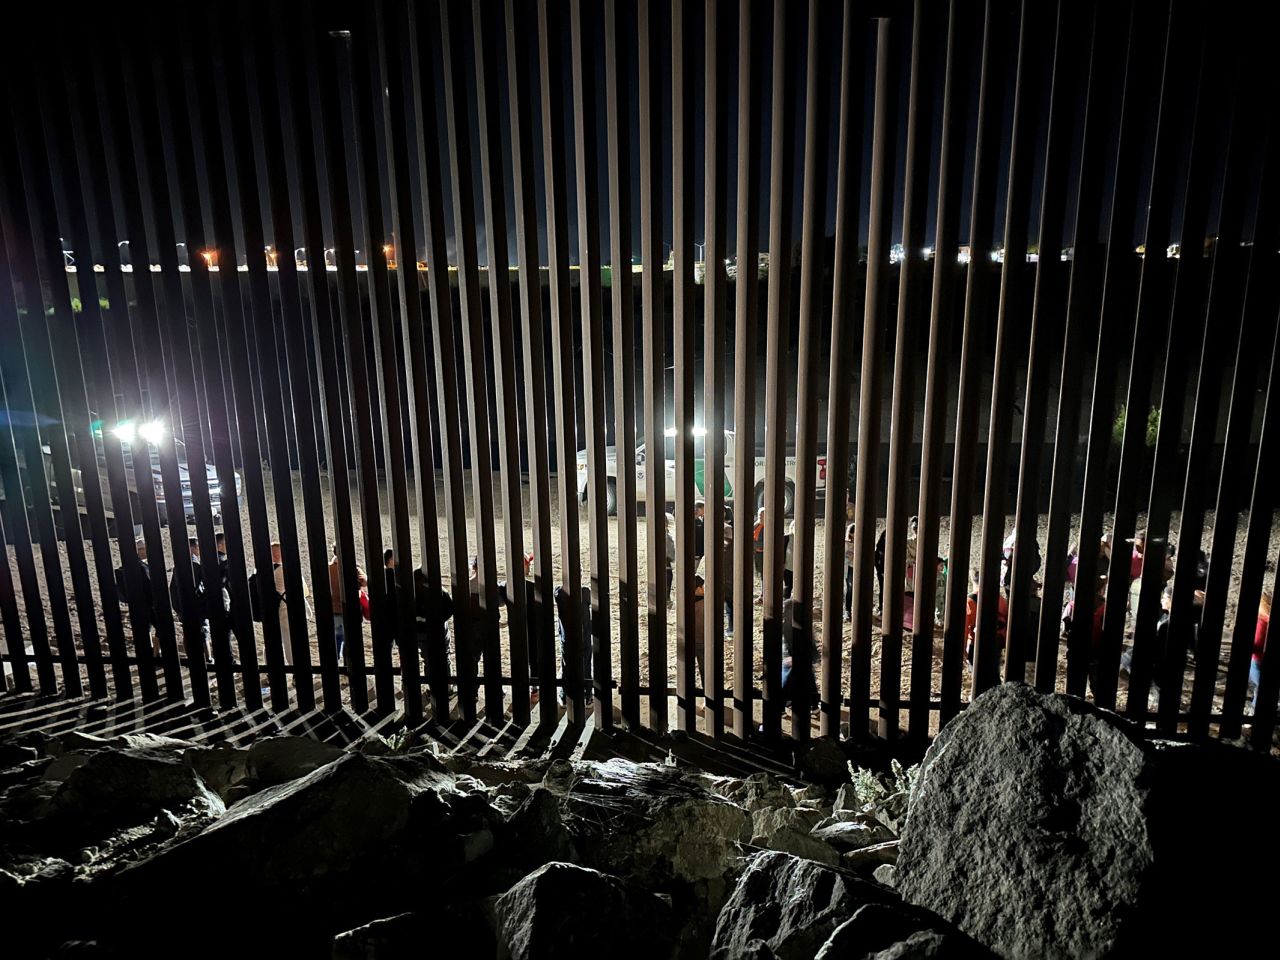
(643, 463)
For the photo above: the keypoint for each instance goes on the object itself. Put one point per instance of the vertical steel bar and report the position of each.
(653, 336)
(473, 355)
(152, 339)
(1185, 325)
(330, 80)
(542, 614)
(684, 338)
(1151, 311)
(778, 313)
(29, 384)
(869, 402)
(1084, 300)
(593, 382)
(62, 365)
(942, 308)
(221, 253)
(911, 305)
(746, 285)
(1048, 311)
(1228, 283)
(417, 394)
(425, 123)
(372, 117)
(622, 301)
(16, 505)
(270, 117)
(182, 154)
(488, 87)
(973, 347)
(1257, 547)
(292, 76)
(557, 220)
(237, 133)
(986, 654)
(1255, 332)
(813, 217)
(843, 307)
(714, 361)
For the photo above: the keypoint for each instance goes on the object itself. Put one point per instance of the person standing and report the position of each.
(277, 568)
(199, 612)
(139, 569)
(335, 592)
(699, 532)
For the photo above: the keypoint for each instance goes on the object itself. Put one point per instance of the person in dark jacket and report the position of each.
(138, 568)
(199, 613)
(562, 611)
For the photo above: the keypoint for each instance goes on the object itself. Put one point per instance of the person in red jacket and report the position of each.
(971, 618)
(1259, 646)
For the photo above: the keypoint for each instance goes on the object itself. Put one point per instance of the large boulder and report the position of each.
(1044, 827)
(756, 792)
(793, 905)
(851, 834)
(662, 828)
(652, 822)
(565, 910)
(274, 760)
(355, 840)
(115, 788)
(403, 935)
(883, 931)
(788, 829)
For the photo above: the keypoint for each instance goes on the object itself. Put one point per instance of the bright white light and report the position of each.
(699, 431)
(152, 432)
(125, 431)
(669, 432)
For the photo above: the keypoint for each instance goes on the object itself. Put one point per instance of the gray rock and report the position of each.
(359, 838)
(220, 767)
(892, 811)
(754, 950)
(403, 935)
(788, 830)
(62, 765)
(791, 904)
(897, 931)
(851, 834)
(13, 754)
(885, 874)
(1045, 827)
(769, 821)
(125, 787)
(823, 761)
(757, 792)
(275, 760)
(847, 799)
(921, 945)
(537, 832)
(565, 910)
(867, 859)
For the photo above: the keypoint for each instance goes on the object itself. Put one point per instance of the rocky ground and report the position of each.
(1036, 827)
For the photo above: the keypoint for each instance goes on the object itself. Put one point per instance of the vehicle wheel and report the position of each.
(788, 498)
(611, 497)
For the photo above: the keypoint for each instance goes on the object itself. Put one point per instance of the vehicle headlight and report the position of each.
(153, 432)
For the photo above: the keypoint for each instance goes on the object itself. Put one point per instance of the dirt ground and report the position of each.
(757, 665)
